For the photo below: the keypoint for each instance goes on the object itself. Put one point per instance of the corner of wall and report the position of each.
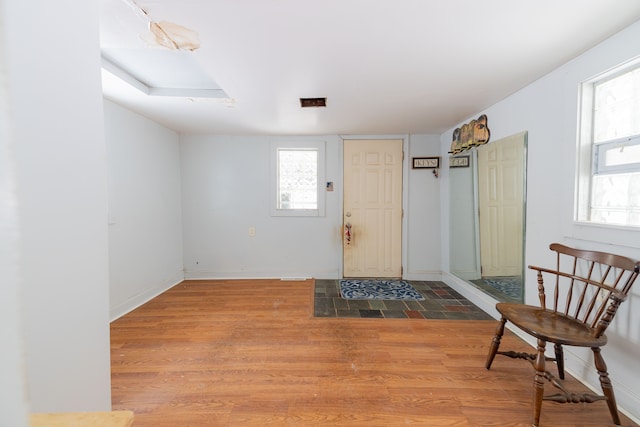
(144, 297)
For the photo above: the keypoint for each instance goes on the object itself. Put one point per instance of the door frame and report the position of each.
(405, 187)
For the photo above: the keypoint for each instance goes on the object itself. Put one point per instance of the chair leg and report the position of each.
(605, 382)
(495, 343)
(559, 360)
(538, 382)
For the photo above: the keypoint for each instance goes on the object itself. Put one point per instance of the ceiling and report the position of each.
(385, 66)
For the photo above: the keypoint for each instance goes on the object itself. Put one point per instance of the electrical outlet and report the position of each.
(252, 231)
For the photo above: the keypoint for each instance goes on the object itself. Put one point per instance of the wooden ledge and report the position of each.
(83, 419)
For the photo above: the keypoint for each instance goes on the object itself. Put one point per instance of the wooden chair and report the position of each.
(587, 289)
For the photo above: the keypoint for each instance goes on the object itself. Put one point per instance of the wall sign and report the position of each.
(425, 162)
(459, 162)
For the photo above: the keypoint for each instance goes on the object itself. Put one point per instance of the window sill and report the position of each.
(606, 233)
(297, 212)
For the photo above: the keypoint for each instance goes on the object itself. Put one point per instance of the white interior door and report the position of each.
(501, 206)
(372, 208)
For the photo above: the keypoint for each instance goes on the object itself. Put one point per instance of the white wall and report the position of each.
(56, 108)
(422, 206)
(13, 399)
(225, 190)
(548, 110)
(145, 220)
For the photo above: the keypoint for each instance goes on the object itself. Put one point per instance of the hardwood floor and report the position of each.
(249, 353)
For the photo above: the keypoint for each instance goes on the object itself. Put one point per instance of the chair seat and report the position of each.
(550, 326)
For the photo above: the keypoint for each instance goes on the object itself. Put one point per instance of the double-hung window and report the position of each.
(298, 174)
(609, 172)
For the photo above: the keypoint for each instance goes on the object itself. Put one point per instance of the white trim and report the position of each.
(599, 165)
(260, 275)
(481, 299)
(424, 275)
(144, 297)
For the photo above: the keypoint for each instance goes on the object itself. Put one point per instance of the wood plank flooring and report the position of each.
(250, 353)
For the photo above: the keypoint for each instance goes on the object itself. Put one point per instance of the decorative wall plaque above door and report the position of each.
(474, 133)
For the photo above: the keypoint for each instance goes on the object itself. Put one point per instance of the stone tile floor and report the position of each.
(441, 302)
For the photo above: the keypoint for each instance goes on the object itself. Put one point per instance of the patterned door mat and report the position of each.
(373, 289)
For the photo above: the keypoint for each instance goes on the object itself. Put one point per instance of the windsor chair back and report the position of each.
(578, 301)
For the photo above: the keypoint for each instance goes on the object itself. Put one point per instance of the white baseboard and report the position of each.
(231, 275)
(428, 275)
(143, 297)
(484, 301)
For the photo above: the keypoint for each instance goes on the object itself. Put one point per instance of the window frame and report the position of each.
(599, 166)
(319, 148)
(589, 159)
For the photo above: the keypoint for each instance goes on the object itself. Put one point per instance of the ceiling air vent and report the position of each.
(313, 102)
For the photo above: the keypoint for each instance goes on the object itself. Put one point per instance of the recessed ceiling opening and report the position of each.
(162, 72)
(313, 102)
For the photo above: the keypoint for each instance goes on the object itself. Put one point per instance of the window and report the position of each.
(609, 172)
(297, 178)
